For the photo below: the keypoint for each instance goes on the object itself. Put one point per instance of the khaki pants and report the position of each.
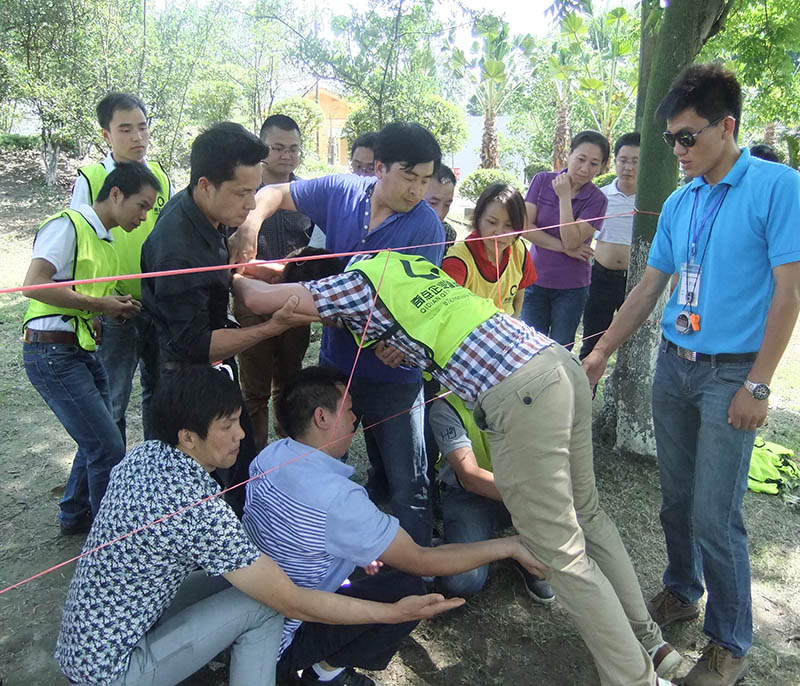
(265, 367)
(539, 425)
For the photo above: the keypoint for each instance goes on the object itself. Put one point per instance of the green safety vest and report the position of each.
(480, 444)
(772, 468)
(128, 244)
(94, 258)
(425, 303)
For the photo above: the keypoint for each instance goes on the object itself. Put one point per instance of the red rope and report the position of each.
(341, 407)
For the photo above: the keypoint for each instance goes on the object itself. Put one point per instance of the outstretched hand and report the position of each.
(594, 364)
(529, 562)
(416, 607)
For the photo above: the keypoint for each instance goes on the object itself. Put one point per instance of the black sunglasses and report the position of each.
(686, 138)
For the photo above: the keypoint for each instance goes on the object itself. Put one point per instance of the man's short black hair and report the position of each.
(445, 175)
(279, 121)
(408, 144)
(709, 89)
(633, 138)
(117, 101)
(129, 177)
(765, 152)
(593, 137)
(365, 140)
(192, 397)
(311, 270)
(307, 390)
(219, 150)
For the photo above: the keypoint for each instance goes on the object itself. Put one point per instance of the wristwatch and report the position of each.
(760, 391)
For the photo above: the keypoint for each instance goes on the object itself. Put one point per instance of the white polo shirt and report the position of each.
(617, 229)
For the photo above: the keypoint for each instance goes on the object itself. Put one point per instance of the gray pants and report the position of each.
(207, 616)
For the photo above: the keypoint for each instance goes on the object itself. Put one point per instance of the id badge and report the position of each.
(689, 289)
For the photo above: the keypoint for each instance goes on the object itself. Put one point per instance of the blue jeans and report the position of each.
(400, 444)
(469, 517)
(74, 385)
(555, 312)
(125, 345)
(704, 463)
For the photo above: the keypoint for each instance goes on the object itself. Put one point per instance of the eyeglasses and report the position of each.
(294, 150)
(686, 138)
(366, 169)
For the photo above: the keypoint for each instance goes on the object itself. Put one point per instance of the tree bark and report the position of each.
(685, 26)
(561, 134)
(490, 154)
(50, 152)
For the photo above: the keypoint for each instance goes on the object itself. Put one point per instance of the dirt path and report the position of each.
(499, 638)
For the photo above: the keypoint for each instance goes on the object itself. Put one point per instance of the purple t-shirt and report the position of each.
(340, 206)
(555, 269)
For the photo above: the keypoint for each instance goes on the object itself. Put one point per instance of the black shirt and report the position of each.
(188, 307)
(283, 232)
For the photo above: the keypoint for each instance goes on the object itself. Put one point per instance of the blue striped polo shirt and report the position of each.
(311, 519)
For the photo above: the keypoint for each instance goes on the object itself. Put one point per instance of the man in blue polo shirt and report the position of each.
(731, 235)
(365, 213)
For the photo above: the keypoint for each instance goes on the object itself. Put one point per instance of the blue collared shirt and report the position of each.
(755, 230)
(340, 205)
(311, 519)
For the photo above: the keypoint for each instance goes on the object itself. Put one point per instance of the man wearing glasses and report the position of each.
(362, 155)
(612, 251)
(264, 367)
(731, 235)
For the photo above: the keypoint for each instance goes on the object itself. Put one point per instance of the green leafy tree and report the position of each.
(497, 68)
(678, 33)
(307, 113)
(442, 118)
(601, 66)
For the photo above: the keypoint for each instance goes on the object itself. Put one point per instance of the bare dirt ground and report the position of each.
(498, 638)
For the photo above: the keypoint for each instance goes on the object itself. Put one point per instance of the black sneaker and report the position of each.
(538, 589)
(80, 526)
(347, 677)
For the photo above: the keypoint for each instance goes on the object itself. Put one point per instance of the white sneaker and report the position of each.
(663, 682)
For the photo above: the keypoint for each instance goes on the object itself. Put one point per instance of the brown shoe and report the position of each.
(666, 608)
(717, 666)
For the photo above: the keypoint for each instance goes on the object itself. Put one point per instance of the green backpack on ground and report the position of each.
(772, 468)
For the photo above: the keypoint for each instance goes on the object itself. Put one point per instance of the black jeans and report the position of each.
(606, 295)
(368, 646)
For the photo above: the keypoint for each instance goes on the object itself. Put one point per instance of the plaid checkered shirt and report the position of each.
(492, 352)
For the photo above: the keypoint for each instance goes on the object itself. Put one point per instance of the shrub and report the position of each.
(479, 180)
(604, 179)
(312, 167)
(15, 140)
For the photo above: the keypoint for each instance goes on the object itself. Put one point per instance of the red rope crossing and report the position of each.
(192, 270)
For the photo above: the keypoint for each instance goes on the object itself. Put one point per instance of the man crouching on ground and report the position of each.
(139, 611)
(318, 525)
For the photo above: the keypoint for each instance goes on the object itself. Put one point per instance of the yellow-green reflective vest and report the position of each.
(94, 258)
(425, 303)
(129, 244)
(772, 468)
(480, 444)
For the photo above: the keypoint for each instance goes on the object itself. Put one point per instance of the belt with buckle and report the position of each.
(34, 336)
(720, 358)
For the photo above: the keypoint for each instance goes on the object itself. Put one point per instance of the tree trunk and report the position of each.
(561, 133)
(50, 152)
(686, 25)
(490, 154)
(770, 135)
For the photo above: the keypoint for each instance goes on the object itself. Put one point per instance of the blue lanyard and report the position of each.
(698, 229)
